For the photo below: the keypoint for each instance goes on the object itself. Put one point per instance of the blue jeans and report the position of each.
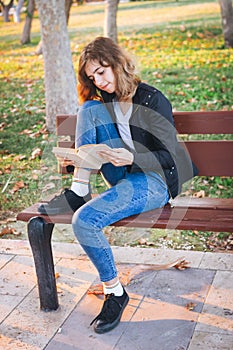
(129, 194)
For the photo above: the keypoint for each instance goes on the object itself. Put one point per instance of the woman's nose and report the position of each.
(98, 79)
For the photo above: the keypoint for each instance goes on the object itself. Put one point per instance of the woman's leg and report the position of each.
(94, 125)
(135, 194)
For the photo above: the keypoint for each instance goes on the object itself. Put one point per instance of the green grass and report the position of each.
(178, 47)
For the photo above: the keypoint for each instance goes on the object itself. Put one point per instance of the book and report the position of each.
(85, 156)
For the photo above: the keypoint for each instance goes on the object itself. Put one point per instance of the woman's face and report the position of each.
(102, 77)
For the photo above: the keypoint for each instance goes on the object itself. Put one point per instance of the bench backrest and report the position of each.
(212, 157)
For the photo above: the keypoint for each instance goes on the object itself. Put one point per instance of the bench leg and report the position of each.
(39, 234)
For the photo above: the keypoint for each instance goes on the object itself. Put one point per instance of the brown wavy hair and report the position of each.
(107, 53)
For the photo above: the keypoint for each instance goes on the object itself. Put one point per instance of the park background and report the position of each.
(178, 47)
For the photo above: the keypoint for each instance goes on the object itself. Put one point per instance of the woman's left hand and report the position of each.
(118, 156)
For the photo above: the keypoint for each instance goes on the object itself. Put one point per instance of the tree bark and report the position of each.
(227, 21)
(110, 19)
(60, 81)
(26, 35)
(6, 9)
(68, 4)
(17, 11)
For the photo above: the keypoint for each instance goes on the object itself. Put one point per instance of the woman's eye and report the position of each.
(101, 72)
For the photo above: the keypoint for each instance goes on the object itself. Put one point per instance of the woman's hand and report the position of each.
(118, 156)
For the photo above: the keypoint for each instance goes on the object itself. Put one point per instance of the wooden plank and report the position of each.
(206, 202)
(207, 214)
(213, 158)
(66, 124)
(204, 122)
(197, 122)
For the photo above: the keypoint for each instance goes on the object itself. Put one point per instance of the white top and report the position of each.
(123, 123)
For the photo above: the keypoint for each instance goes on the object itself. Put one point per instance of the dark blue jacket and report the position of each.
(155, 138)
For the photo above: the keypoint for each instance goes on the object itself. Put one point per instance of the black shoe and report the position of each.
(111, 312)
(67, 201)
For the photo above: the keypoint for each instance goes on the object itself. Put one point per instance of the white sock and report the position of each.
(80, 187)
(80, 184)
(116, 289)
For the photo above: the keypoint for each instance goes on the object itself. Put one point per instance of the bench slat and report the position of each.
(216, 156)
(207, 214)
(197, 122)
(204, 122)
(213, 158)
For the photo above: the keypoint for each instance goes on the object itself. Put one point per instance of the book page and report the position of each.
(85, 156)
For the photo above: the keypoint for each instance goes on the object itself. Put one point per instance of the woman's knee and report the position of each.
(78, 224)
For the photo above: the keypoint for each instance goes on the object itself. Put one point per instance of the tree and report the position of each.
(110, 20)
(6, 9)
(26, 35)
(68, 4)
(227, 21)
(17, 11)
(60, 80)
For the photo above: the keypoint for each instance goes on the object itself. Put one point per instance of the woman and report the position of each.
(144, 168)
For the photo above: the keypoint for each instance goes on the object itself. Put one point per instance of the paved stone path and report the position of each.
(168, 309)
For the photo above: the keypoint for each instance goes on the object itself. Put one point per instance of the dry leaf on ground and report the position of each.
(9, 231)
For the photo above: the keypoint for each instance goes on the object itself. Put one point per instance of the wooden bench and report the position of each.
(213, 158)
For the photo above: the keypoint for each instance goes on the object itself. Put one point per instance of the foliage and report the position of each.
(178, 47)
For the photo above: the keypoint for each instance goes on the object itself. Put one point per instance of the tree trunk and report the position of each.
(68, 4)
(60, 81)
(39, 48)
(17, 11)
(110, 20)
(227, 21)
(6, 9)
(26, 36)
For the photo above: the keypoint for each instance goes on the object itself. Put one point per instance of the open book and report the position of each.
(85, 156)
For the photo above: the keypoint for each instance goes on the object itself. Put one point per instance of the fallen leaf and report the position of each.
(37, 153)
(2, 126)
(199, 194)
(20, 184)
(190, 306)
(182, 265)
(9, 231)
(96, 289)
(19, 157)
(180, 93)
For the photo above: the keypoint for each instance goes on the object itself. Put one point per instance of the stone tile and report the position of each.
(155, 256)
(7, 304)
(4, 259)
(217, 314)
(66, 250)
(163, 317)
(10, 246)
(29, 328)
(212, 341)
(17, 277)
(217, 261)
